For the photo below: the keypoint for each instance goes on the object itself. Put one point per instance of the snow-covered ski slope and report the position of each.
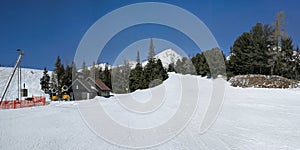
(29, 77)
(249, 119)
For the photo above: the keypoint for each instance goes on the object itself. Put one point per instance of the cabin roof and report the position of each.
(99, 84)
(84, 84)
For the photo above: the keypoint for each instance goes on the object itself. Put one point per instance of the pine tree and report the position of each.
(179, 66)
(201, 66)
(93, 70)
(100, 74)
(151, 52)
(57, 75)
(85, 72)
(138, 59)
(278, 34)
(242, 54)
(44, 81)
(188, 67)
(284, 67)
(260, 49)
(107, 76)
(120, 78)
(136, 78)
(162, 72)
(196, 62)
(156, 73)
(74, 71)
(171, 67)
(216, 61)
(67, 77)
(116, 80)
(204, 69)
(251, 52)
(149, 73)
(296, 64)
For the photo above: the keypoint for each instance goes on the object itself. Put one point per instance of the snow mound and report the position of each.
(29, 77)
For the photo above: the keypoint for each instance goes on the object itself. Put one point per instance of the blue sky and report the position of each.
(45, 29)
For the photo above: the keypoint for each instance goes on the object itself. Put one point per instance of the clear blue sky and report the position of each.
(48, 28)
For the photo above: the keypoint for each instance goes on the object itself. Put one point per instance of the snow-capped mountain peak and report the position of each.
(167, 57)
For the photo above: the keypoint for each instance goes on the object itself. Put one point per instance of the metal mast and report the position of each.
(12, 74)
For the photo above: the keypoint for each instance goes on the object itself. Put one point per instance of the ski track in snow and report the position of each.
(250, 119)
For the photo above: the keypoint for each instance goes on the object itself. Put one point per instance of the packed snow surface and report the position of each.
(249, 119)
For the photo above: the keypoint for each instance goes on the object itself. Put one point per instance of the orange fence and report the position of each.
(36, 101)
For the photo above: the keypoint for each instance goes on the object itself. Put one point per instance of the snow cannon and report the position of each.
(64, 93)
(54, 94)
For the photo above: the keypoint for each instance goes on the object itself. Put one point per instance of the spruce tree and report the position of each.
(179, 66)
(93, 70)
(278, 34)
(284, 67)
(188, 67)
(196, 62)
(296, 64)
(200, 64)
(74, 71)
(138, 59)
(44, 81)
(67, 77)
(85, 72)
(149, 73)
(216, 61)
(100, 74)
(136, 77)
(242, 54)
(171, 67)
(151, 52)
(58, 74)
(107, 76)
(120, 78)
(260, 49)
(204, 69)
(162, 72)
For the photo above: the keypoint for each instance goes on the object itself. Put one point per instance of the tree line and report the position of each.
(125, 79)
(121, 79)
(265, 49)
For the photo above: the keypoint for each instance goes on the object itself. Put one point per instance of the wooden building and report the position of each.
(82, 90)
(88, 89)
(102, 89)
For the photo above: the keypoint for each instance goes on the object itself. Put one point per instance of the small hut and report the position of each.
(102, 89)
(82, 90)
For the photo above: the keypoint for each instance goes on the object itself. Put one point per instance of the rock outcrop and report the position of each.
(262, 81)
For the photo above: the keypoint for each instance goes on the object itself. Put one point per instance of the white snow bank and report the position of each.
(250, 119)
(29, 77)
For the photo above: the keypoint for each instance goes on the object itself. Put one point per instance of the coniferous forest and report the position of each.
(265, 49)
